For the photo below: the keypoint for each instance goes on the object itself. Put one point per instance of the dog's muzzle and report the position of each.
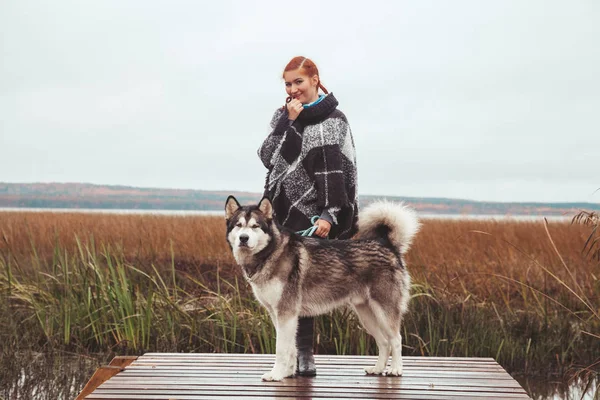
(244, 240)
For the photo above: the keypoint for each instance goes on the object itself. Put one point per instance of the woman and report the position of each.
(311, 165)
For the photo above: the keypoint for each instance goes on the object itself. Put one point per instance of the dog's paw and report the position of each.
(269, 377)
(274, 375)
(373, 370)
(393, 372)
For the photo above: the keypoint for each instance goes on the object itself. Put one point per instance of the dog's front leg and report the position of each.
(273, 315)
(285, 349)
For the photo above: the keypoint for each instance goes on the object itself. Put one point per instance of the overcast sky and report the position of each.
(483, 100)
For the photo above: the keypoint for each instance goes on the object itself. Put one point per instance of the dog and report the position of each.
(293, 275)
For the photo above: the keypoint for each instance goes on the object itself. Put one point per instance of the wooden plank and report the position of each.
(349, 384)
(101, 375)
(332, 373)
(310, 394)
(326, 368)
(347, 388)
(304, 394)
(338, 360)
(283, 397)
(323, 365)
(220, 376)
(122, 361)
(314, 382)
(319, 362)
(317, 356)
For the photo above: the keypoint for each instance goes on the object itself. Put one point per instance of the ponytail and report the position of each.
(323, 87)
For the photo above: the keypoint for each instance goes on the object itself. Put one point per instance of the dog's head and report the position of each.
(249, 228)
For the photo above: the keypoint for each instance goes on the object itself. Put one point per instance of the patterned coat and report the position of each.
(311, 166)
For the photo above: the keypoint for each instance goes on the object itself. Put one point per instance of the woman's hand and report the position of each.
(323, 228)
(294, 109)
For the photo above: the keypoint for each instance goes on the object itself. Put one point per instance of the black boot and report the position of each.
(304, 342)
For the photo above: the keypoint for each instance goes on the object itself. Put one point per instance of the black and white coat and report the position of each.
(311, 166)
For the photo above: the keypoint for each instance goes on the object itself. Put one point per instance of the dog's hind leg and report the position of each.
(395, 368)
(370, 323)
(285, 349)
(389, 319)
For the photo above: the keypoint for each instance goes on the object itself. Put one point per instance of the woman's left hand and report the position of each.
(323, 228)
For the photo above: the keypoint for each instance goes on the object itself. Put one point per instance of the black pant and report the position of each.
(305, 333)
(306, 329)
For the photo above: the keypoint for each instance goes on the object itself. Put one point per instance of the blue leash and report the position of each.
(310, 231)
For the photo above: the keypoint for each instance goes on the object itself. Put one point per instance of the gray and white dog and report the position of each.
(293, 275)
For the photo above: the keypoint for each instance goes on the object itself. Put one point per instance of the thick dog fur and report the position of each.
(295, 276)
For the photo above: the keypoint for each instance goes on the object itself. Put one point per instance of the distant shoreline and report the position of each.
(220, 213)
(112, 198)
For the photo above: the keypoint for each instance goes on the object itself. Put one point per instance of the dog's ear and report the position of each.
(266, 207)
(231, 206)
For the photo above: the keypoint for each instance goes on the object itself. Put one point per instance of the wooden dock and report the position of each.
(190, 376)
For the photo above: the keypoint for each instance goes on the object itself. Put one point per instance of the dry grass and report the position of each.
(486, 258)
(194, 239)
(458, 256)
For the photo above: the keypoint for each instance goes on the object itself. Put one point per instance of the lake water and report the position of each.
(220, 212)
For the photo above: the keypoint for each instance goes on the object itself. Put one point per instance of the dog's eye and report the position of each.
(255, 226)
(239, 224)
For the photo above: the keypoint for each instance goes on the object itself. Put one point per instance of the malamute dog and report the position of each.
(293, 275)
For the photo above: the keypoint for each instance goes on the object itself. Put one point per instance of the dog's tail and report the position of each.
(395, 222)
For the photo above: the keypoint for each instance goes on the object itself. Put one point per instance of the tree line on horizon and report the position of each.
(90, 196)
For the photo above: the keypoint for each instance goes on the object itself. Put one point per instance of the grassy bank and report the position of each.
(133, 283)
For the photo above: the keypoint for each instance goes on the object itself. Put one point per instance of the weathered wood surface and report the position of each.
(220, 376)
(103, 374)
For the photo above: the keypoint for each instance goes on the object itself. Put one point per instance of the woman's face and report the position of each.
(300, 86)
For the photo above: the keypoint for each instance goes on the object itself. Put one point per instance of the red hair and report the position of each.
(307, 66)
